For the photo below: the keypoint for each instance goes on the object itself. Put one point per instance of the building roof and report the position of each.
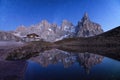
(32, 35)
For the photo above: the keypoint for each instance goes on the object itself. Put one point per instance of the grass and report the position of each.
(107, 39)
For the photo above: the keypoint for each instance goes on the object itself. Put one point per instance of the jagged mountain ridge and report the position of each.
(87, 28)
(47, 31)
(7, 36)
(53, 32)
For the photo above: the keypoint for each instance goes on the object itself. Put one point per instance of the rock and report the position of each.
(67, 26)
(6, 36)
(21, 28)
(87, 28)
(53, 32)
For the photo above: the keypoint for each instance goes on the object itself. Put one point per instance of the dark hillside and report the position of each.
(109, 38)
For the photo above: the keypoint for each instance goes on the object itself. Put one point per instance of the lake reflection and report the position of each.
(61, 65)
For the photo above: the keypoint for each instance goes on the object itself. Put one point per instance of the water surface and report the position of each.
(61, 65)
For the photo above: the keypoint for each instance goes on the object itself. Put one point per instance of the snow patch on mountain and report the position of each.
(62, 37)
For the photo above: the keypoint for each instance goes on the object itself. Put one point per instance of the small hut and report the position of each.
(32, 35)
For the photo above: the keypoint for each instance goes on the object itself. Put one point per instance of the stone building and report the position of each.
(31, 37)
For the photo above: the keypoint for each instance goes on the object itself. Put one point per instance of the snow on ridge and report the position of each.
(17, 34)
(50, 29)
(62, 37)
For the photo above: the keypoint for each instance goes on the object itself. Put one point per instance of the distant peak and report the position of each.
(21, 28)
(85, 17)
(22, 25)
(64, 20)
(85, 14)
(44, 21)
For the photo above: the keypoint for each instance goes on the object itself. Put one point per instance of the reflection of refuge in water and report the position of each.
(54, 56)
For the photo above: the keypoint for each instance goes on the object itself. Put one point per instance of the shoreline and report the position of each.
(6, 46)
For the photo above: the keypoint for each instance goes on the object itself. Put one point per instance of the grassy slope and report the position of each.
(110, 38)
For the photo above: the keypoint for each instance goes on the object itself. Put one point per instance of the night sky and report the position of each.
(14, 13)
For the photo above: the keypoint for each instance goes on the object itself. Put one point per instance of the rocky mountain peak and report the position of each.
(7, 36)
(85, 18)
(21, 28)
(45, 23)
(87, 28)
(54, 25)
(53, 32)
(66, 22)
(86, 15)
(66, 25)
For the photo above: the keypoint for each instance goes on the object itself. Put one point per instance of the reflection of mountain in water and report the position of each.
(55, 56)
(88, 60)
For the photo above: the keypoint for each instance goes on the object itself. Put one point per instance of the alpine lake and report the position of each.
(56, 64)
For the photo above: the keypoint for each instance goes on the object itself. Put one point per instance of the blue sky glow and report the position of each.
(14, 13)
